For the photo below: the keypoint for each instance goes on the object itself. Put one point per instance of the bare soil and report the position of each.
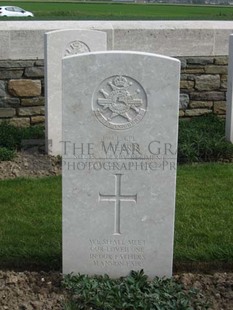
(30, 164)
(30, 290)
(43, 291)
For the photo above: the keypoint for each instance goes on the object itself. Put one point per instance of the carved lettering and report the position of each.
(117, 252)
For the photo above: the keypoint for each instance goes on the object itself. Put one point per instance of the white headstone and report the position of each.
(229, 107)
(120, 120)
(59, 44)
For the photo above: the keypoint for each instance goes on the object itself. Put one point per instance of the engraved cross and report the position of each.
(117, 198)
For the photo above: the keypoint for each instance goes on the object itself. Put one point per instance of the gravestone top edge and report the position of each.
(62, 31)
(126, 53)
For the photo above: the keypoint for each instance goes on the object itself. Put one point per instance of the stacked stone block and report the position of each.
(203, 89)
(203, 86)
(21, 92)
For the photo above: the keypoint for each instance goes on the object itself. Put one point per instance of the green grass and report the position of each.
(204, 213)
(30, 222)
(122, 11)
(202, 139)
(14, 138)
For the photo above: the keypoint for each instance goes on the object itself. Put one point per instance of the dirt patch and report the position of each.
(43, 291)
(31, 290)
(30, 164)
(216, 288)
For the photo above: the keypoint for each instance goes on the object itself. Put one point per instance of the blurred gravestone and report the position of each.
(229, 110)
(59, 44)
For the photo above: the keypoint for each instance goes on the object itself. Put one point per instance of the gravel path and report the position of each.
(43, 291)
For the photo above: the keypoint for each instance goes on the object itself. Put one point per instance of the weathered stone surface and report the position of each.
(37, 119)
(34, 72)
(184, 101)
(16, 63)
(207, 82)
(200, 60)
(9, 102)
(186, 84)
(2, 88)
(207, 96)
(7, 112)
(194, 70)
(24, 88)
(201, 104)
(28, 102)
(220, 107)
(221, 60)
(20, 121)
(180, 38)
(39, 63)
(181, 113)
(183, 62)
(31, 111)
(216, 69)
(11, 74)
(197, 112)
(188, 77)
(224, 82)
(164, 41)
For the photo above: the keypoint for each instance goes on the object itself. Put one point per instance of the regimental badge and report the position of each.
(76, 47)
(120, 102)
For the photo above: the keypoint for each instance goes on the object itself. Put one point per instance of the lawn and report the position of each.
(30, 222)
(204, 213)
(121, 11)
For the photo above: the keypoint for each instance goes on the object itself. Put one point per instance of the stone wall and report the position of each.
(203, 86)
(22, 92)
(203, 89)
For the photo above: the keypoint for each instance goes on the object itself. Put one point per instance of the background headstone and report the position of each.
(59, 44)
(120, 120)
(229, 108)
